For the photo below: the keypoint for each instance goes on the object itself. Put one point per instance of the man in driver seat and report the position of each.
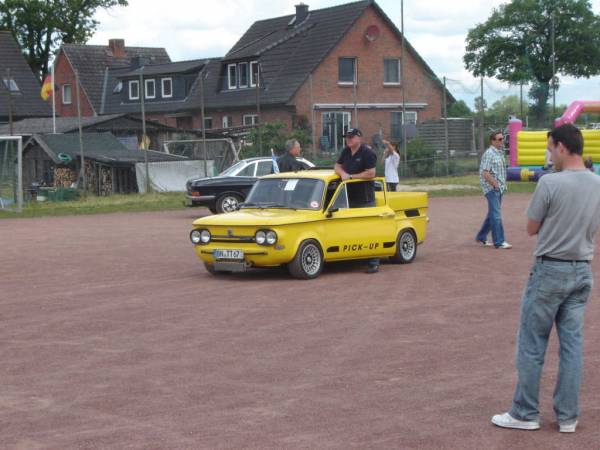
(357, 161)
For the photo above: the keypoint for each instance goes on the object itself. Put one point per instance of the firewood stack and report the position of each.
(64, 177)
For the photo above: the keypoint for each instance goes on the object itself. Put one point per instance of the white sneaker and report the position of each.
(505, 245)
(507, 421)
(567, 427)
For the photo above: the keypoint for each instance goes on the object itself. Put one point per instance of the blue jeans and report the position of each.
(493, 220)
(556, 293)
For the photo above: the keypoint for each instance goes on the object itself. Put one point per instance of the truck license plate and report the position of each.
(228, 254)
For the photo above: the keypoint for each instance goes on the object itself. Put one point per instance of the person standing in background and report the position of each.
(391, 159)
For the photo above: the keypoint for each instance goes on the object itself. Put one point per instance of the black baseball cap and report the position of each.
(353, 132)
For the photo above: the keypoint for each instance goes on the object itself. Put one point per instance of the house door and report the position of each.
(335, 125)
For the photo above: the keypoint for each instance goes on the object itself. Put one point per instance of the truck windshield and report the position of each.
(293, 193)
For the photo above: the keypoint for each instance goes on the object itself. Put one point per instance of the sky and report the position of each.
(192, 29)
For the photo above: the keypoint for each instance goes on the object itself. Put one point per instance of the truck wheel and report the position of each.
(308, 262)
(406, 248)
(228, 203)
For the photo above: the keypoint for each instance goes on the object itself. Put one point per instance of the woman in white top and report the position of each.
(391, 159)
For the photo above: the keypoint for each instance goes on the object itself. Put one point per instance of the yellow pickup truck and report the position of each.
(304, 219)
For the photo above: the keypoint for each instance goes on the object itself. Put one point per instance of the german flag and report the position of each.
(47, 87)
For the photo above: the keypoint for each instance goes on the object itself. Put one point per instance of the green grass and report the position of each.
(102, 205)
(174, 200)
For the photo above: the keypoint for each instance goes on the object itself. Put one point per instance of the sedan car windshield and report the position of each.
(295, 193)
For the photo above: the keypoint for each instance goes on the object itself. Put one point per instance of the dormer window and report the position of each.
(253, 73)
(232, 76)
(150, 86)
(243, 74)
(134, 90)
(167, 87)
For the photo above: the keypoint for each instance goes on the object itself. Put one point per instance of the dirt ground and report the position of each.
(113, 336)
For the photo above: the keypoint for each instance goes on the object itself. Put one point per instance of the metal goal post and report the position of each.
(11, 173)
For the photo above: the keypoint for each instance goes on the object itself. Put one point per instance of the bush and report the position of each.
(420, 159)
(273, 135)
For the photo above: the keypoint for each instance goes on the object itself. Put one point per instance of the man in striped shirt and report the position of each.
(492, 176)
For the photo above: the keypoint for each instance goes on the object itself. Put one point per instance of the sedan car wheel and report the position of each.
(406, 248)
(308, 262)
(228, 203)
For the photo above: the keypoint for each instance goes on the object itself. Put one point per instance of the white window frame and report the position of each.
(229, 85)
(162, 87)
(392, 83)
(130, 85)
(348, 83)
(146, 84)
(239, 74)
(226, 122)
(253, 120)
(62, 91)
(252, 80)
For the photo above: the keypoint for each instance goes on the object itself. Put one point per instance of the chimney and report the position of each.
(301, 13)
(117, 47)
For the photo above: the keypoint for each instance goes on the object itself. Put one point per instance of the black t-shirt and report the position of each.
(363, 159)
(289, 163)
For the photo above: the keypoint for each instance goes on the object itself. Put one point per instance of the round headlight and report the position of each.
(195, 236)
(271, 237)
(205, 236)
(260, 237)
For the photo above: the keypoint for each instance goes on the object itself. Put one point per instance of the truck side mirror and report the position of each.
(330, 211)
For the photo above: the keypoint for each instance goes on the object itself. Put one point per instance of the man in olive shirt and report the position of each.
(564, 213)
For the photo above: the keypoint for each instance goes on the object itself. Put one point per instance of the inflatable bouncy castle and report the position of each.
(527, 149)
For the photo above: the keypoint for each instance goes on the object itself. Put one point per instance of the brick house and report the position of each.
(93, 62)
(330, 69)
(22, 91)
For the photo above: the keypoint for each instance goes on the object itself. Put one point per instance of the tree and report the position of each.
(40, 26)
(459, 109)
(509, 105)
(515, 45)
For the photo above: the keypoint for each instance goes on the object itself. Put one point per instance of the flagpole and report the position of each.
(53, 101)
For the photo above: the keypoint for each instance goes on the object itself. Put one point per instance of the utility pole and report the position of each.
(143, 106)
(446, 148)
(258, 137)
(83, 178)
(403, 126)
(481, 118)
(553, 72)
(202, 117)
(9, 91)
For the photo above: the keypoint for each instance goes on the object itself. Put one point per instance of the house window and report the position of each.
(396, 128)
(243, 74)
(347, 70)
(253, 73)
(335, 125)
(150, 91)
(232, 76)
(11, 84)
(66, 94)
(227, 121)
(391, 71)
(250, 119)
(134, 90)
(118, 88)
(167, 87)
(184, 122)
(208, 123)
